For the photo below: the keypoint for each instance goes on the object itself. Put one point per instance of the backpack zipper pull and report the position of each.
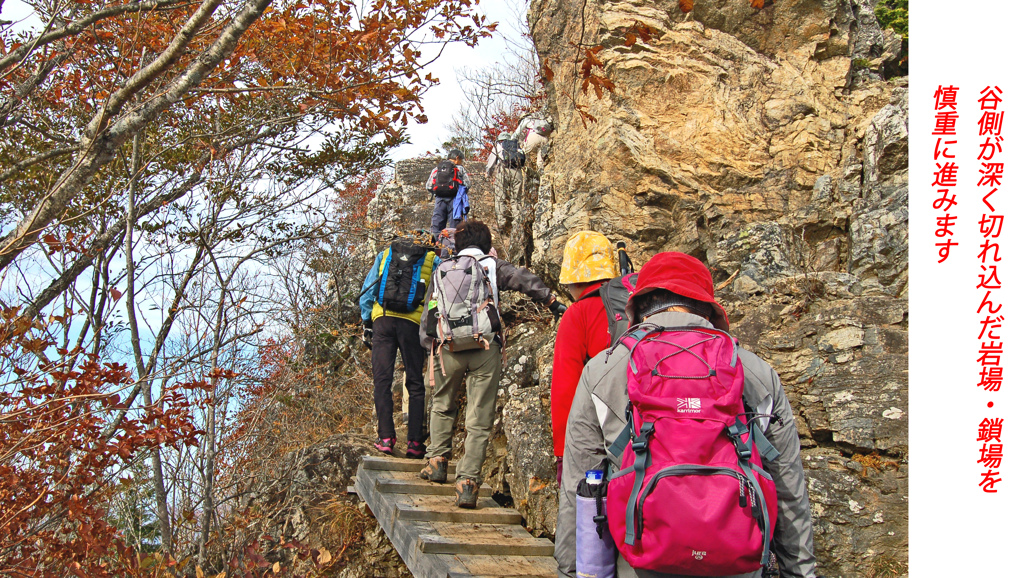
(743, 494)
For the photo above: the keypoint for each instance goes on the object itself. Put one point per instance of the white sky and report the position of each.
(442, 101)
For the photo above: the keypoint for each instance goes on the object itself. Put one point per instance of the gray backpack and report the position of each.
(467, 317)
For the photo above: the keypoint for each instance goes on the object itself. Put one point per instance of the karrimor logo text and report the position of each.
(688, 404)
(698, 555)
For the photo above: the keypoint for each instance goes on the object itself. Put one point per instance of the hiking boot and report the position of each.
(416, 451)
(436, 470)
(385, 445)
(466, 493)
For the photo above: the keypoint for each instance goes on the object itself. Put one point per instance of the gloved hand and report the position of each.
(368, 334)
(557, 309)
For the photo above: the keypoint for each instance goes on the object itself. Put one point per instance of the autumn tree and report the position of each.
(156, 157)
(74, 93)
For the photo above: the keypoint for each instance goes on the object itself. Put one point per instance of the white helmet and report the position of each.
(504, 136)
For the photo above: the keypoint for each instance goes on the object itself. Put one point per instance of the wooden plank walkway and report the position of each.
(437, 539)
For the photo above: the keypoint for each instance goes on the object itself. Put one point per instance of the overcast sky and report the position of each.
(442, 101)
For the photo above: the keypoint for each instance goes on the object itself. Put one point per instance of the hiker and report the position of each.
(465, 331)
(588, 263)
(449, 183)
(505, 169)
(630, 409)
(445, 243)
(506, 155)
(534, 131)
(391, 306)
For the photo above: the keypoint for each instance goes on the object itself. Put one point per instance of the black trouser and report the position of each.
(391, 334)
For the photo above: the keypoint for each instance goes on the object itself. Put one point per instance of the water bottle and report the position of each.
(595, 550)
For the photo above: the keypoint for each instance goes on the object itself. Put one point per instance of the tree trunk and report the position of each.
(159, 487)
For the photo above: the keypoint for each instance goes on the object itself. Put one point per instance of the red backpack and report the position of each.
(691, 496)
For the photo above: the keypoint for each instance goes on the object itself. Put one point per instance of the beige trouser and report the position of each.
(482, 370)
(510, 207)
(535, 142)
(508, 197)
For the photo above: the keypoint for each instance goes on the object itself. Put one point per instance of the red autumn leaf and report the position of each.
(548, 73)
(686, 5)
(757, 4)
(52, 243)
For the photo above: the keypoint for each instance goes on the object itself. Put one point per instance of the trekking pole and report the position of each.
(372, 285)
(625, 264)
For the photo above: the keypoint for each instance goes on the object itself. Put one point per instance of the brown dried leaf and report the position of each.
(324, 557)
(686, 5)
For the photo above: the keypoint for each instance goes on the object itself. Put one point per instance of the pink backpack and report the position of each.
(691, 496)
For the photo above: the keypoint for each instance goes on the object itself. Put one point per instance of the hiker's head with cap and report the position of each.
(504, 136)
(588, 257)
(456, 155)
(675, 279)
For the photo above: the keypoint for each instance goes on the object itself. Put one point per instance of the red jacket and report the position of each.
(582, 334)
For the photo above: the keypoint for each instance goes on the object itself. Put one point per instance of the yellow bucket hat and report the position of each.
(589, 256)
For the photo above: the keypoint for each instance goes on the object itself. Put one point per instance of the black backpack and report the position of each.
(511, 156)
(614, 294)
(401, 288)
(446, 180)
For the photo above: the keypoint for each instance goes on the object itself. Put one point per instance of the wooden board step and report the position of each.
(483, 540)
(439, 545)
(509, 566)
(395, 464)
(418, 486)
(462, 575)
(426, 508)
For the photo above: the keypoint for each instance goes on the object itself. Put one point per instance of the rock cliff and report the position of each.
(766, 143)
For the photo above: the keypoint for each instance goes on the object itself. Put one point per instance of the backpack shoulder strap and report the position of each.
(385, 266)
(414, 285)
(619, 445)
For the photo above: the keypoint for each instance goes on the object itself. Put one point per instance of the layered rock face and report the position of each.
(765, 143)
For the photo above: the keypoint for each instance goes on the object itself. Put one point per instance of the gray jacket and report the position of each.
(597, 418)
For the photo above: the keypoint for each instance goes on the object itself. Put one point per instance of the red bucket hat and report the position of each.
(683, 275)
